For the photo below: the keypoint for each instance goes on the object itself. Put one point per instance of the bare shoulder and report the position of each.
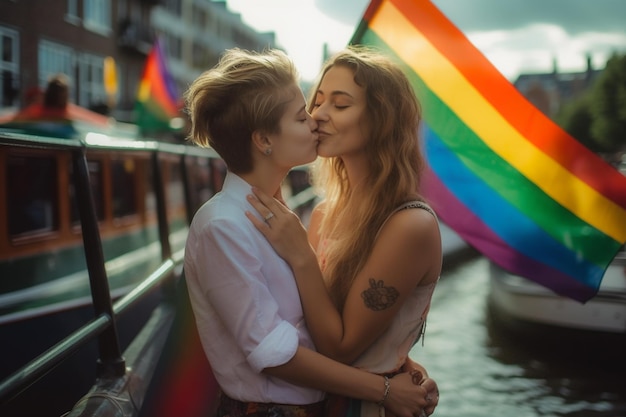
(413, 236)
(414, 224)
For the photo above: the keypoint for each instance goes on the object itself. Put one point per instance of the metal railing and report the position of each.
(111, 363)
(117, 373)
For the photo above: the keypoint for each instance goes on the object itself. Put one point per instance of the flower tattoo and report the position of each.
(378, 297)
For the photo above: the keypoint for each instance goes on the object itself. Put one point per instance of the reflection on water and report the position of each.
(483, 372)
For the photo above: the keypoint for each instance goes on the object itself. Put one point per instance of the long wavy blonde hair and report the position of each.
(394, 158)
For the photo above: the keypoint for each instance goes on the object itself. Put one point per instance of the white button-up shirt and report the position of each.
(245, 300)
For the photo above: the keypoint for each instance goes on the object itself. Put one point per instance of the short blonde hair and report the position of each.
(246, 91)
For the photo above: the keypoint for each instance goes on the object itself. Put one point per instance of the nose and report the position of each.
(319, 114)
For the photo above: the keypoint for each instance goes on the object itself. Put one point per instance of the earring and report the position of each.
(268, 151)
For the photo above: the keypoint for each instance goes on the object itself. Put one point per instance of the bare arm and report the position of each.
(289, 238)
(311, 369)
(405, 255)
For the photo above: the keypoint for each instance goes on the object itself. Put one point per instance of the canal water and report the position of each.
(481, 371)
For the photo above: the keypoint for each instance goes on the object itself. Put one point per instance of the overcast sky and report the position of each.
(515, 35)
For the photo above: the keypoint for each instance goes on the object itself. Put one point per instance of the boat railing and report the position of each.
(103, 326)
(127, 374)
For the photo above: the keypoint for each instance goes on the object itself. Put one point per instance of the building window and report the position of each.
(173, 46)
(54, 59)
(9, 84)
(97, 16)
(135, 12)
(122, 9)
(91, 81)
(174, 6)
(71, 15)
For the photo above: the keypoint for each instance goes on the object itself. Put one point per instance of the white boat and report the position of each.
(522, 305)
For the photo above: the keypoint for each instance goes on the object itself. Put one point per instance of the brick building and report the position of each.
(549, 91)
(39, 38)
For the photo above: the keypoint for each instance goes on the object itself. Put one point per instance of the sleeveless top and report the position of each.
(389, 351)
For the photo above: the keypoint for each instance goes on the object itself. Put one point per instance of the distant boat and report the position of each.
(539, 315)
(71, 121)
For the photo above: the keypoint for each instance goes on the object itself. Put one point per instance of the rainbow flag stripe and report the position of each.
(157, 98)
(501, 174)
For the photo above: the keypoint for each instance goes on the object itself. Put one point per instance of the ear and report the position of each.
(261, 141)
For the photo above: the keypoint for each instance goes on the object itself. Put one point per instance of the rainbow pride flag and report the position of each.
(509, 181)
(157, 98)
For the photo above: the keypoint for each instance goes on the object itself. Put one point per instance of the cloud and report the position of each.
(348, 12)
(525, 35)
(574, 16)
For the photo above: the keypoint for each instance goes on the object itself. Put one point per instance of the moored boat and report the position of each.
(42, 260)
(91, 241)
(537, 316)
(92, 213)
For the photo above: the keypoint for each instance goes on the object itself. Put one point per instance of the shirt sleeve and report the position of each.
(229, 269)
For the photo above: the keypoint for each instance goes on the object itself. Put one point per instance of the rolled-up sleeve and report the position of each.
(231, 277)
(276, 349)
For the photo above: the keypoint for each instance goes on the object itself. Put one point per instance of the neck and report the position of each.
(266, 180)
(356, 169)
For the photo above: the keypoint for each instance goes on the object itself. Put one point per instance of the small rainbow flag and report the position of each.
(157, 99)
(509, 181)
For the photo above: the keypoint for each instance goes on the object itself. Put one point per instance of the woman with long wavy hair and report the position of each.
(367, 271)
(250, 109)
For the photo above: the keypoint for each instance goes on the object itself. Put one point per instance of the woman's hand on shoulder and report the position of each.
(281, 227)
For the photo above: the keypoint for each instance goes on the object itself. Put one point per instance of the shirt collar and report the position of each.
(235, 186)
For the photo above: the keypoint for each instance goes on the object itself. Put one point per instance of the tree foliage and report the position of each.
(576, 119)
(598, 118)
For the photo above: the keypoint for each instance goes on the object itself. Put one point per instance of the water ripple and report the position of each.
(482, 373)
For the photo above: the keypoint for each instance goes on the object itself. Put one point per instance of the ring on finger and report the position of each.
(269, 216)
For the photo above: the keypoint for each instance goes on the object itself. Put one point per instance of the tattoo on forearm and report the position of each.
(378, 297)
